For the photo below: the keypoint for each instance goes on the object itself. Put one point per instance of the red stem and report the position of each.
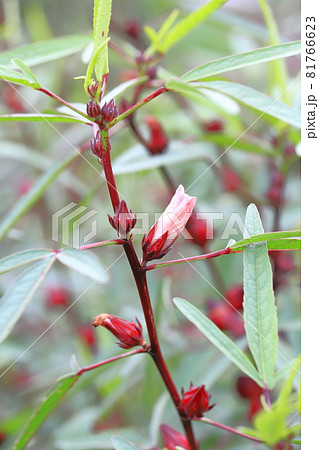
(102, 244)
(227, 428)
(64, 102)
(106, 361)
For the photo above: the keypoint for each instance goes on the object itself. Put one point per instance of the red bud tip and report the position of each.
(109, 111)
(172, 438)
(195, 402)
(214, 126)
(133, 28)
(93, 110)
(158, 140)
(123, 220)
(129, 334)
(57, 296)
(86, 334)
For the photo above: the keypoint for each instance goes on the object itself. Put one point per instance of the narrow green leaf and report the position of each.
(85, 263)
(184, 26)
(122, 444)
(26, 70)
(233, 62)
(284, 244)
(31, 197)
(101, 24)
(47, 405)
(157, 38)
(40, 118)
(260, 315)
(240, 144)
(218, 338)
(265, 237)
(256, 100)
(18, 296)
(20, 259)
(16, 77)
(45, 51)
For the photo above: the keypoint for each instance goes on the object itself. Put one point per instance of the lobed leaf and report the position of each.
(20, 259)
(85, 263)
(218, 338)
(260, 314)
(18, 296)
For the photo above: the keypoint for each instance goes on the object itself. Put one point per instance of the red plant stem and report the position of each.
(142, 287)
(64, 102)
(138, 105)
(224, 251)
(227, 428)
(109, 360)
(102, 244)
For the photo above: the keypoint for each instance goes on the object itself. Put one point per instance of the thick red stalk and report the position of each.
(142, 287)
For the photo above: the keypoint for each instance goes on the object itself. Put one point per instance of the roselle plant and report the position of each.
(231, 369)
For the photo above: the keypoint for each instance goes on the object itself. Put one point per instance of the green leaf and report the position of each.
(260, 315)
(85, 263)
(40, 118)
(101, 24)
(14, 76)
(240, 144)
(233, 62)
(157, 38)
(31, 197)
(122, 444)
(284, 244)
(184, 26)
(45, 51)
(20, 259)
(48, 403)
(280, 236)
(256, 100)
(136, 158)
(18, 296)
(218, 338)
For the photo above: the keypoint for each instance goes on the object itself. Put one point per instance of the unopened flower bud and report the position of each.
(199, 230)
(57, 296)
(195, 401)
(231, 181)
(128, 333)
(86, 334)
(158, 140)
(169, 226)
(123, 220)
(93, 110)
(96, 146)
(172, 438)
(109, 111)
(235, 296)
(249, 389)
(133, 28)
(214, 126)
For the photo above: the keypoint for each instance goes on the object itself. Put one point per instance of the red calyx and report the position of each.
(154, 250)
(129, 334)
(214, 126)
(195, 401)
(109, 111)
(57, 296)
(123, 220)
(199, 230)
(93, 110)
(172, 438)
(158, 140)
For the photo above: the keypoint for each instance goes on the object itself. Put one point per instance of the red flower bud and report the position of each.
(85, 332)
(12, 98)
(169, 226)
(199, 230)
(283, 261)
(235, 296)
(92, 109)
(231, 181)
(128, 333)
(57, 296)
(109, 111)
(214, 126)
(132, 28)
(195, 401)
(96, 147)
(158, 140)
(248, 388)
(123, 220)
(172, 438)
(226, 318)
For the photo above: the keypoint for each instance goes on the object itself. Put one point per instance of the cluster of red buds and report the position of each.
(225, 314)
(102, 116)
(158, 140)
(169, 226)
(248, 389)
(195, 402)
(281, 142)
(129, 334)
(172, 438)
(123, 220)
